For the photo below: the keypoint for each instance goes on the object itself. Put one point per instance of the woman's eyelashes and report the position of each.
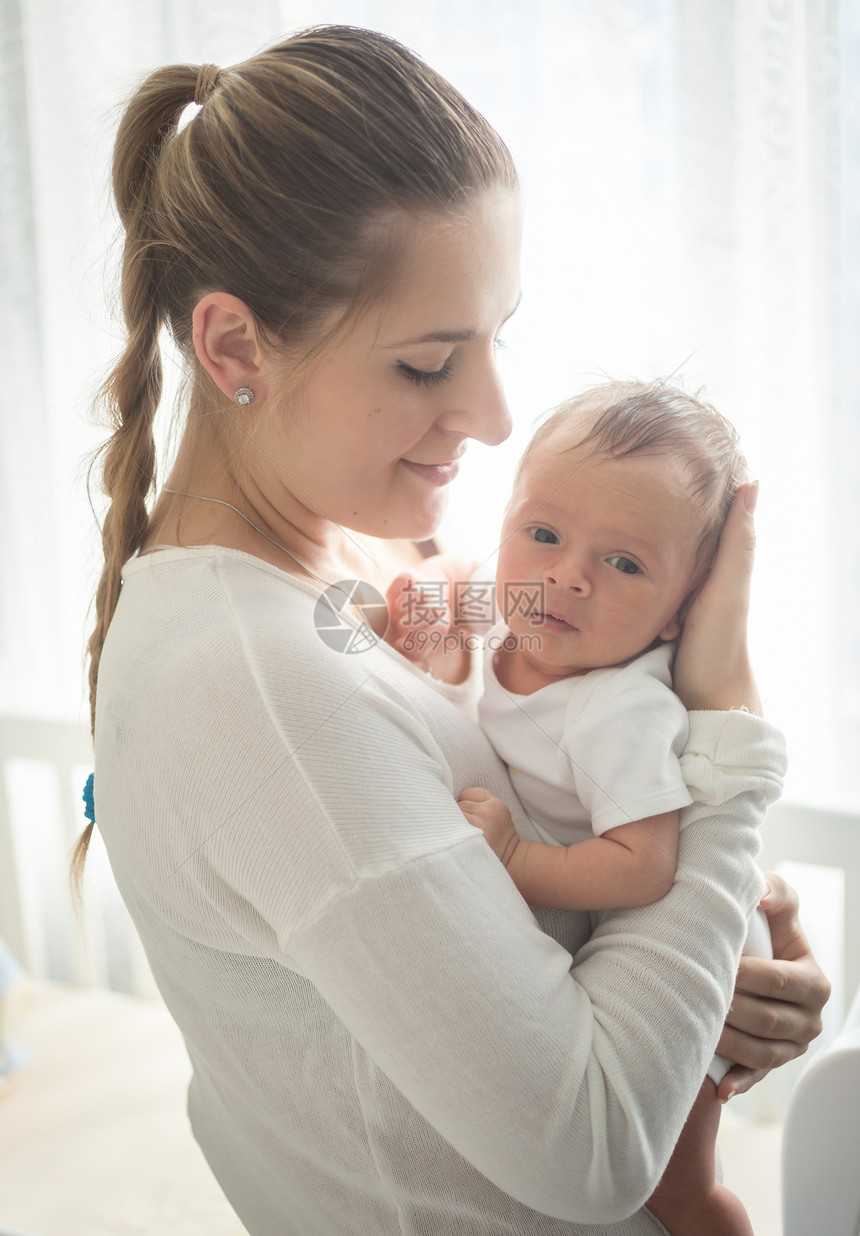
(432, 377)
(425, 377)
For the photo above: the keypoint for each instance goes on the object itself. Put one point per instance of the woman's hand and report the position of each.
(712, 667)
(776, 1009)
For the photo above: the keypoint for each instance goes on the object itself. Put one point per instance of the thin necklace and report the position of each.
(181, 493)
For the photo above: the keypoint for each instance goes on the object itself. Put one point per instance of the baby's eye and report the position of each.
(625, 565)
(544, 535)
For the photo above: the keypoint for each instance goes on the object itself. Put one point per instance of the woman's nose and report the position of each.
(482, 410)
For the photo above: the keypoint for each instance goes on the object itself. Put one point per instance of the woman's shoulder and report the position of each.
(194, 619)
(220, 677)
(204, 606)
(211, 570)
(199, 589)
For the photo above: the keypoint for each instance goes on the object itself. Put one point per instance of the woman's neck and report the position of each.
(202, 505)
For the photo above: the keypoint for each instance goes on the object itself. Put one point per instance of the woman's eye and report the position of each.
(425, 377)
(625, 565)
(544, 535)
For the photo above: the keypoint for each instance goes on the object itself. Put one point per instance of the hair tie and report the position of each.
(208, 76)
(89, 803)
(207, 80)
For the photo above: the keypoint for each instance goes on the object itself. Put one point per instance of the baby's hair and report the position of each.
(284, 190)
(657, 418)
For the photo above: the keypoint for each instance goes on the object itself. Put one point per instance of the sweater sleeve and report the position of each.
(562, 1086)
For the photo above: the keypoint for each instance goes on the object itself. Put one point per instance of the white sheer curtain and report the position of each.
(691, 185)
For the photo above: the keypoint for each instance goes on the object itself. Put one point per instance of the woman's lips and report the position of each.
(436, 474)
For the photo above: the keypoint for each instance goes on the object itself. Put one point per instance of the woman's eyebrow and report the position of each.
(449, 336)
(438, 336)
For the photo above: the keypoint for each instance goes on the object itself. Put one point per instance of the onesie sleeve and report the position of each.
(625, 731)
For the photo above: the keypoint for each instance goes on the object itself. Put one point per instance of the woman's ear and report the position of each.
(225, 341)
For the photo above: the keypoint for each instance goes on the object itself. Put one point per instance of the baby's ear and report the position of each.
(672, 628)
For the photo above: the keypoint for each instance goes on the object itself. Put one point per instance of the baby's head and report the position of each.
(616, 512)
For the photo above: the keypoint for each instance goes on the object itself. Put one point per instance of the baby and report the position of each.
(615, 515)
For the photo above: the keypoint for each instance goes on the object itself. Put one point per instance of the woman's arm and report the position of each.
(562, 1088)
(776, 1010)
(330, 840)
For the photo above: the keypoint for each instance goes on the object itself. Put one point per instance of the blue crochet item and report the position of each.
(89, 802)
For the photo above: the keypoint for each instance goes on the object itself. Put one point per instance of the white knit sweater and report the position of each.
(384, 1037)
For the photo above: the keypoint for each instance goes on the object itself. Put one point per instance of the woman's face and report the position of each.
(371, 439)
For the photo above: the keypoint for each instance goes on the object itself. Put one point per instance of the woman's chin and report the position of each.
(415, 523)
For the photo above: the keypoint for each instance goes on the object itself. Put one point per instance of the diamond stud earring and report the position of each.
(244, 395)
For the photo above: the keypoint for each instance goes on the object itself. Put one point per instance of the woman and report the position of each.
(332, 240)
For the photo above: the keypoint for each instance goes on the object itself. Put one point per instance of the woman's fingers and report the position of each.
(728, 583)
(798, 978)
(712, 666)
(780, 906)
(738, 1080)
(776, 1009)
(764, 1017)
(759, 1035)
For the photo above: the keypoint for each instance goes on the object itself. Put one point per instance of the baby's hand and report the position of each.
(419, 615)
(423, 624)
(485, 811)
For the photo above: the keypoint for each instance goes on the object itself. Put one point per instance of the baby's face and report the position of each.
(597, 557)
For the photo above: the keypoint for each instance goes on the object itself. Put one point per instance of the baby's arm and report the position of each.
(631, 865)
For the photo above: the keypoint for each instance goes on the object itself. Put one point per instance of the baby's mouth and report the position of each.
(553, 622)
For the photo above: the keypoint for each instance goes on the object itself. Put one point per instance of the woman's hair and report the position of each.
(281, 190)
(656, 418)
